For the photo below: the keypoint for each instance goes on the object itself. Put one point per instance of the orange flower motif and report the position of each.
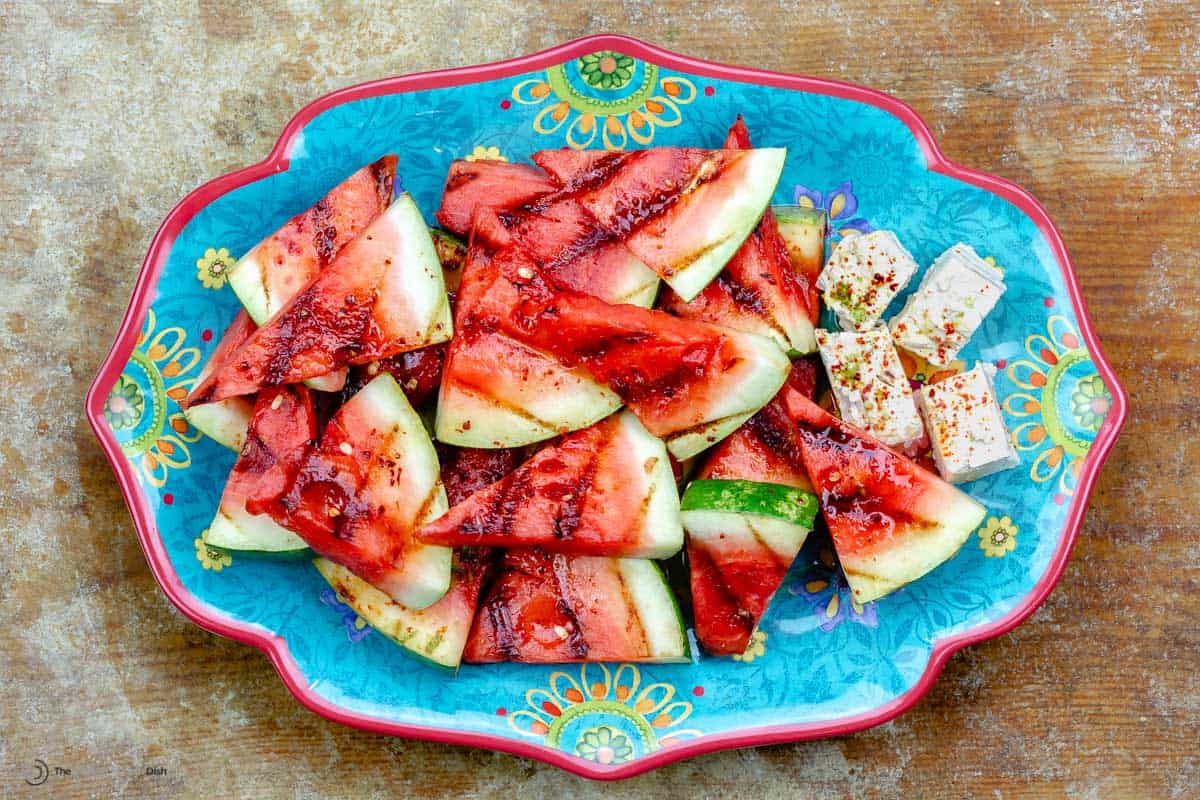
(604, 714)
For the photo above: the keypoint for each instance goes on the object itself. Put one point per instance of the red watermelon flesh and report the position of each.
(363, 491)
(466, 470)
(281, 431)
(235, 335)
(497, 185)
(553, 608)
(662, 367)
(891, 520)
(292, 256)
(723, 625)
(605, 490)
(362, 307)
(758, 291)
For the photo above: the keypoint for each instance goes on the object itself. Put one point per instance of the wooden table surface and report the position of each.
(112, 111)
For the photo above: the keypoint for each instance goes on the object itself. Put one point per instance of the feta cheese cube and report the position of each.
(869, 384)
(954, 296)
(966, 427)
(864, 274)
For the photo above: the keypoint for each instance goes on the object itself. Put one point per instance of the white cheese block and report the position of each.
(864, 274)
(955, 294)
(966, 427)
(869, 384)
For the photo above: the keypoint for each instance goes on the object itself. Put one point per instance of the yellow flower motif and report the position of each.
(605, 99)
(213, 267)
(570, 713)
(161, 370)
(757, 646)
(489, 153)
(1041, 428)
(211, 557)
(998, 537)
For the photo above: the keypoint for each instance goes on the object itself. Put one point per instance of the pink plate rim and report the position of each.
(276, 648)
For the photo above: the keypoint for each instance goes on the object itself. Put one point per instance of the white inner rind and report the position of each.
(656, 608)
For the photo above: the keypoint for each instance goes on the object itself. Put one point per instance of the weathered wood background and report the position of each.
(109, 112)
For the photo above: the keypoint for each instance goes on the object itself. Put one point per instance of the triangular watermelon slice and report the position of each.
(278, 267)
(551, 225)
(682, 211)
(747, 516)
(891, 520)
(604, 490)
(281, 430)
(226, 420)
(436, 634)
(495, 391)
(690, 383)
(363, 491)
(759, 290)
(383, 294)
(552, 608)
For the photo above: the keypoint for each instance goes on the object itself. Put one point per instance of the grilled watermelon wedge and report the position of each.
(226, 420)
(383, 294)
(436, 634)
(891, 520)
(759, 290)
(683, 212)
(496, 391)
(363, 491)
(280, 432)
(747, 515)
(803, 232)
(551, 224)
(278, 267)
(690, 383)
(605, 490)
(552, 608)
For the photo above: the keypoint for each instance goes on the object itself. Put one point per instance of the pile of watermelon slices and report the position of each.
(489, 434)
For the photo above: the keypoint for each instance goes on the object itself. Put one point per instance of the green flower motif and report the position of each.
(1090, 402)
(604, 745)
(124, 405)
(606, 69)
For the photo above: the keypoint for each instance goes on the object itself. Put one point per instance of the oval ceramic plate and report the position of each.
(821, 664)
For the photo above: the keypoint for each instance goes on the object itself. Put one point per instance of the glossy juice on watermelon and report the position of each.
(605, 490)
(737, 561)
(891, 520)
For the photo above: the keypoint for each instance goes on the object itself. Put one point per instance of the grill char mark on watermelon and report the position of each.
(365, 306)
(758, 288)
(309, 241)
(281, 431)
(730, 596)
(547, 608)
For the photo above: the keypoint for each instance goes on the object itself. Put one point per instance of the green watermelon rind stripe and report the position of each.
(752, 497)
